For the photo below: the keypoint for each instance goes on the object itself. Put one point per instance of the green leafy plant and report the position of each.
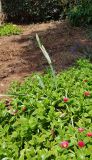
(81, 13)
(40, 122)
(32, 11)
(9, 29)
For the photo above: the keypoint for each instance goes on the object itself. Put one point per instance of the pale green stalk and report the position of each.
(45, 53)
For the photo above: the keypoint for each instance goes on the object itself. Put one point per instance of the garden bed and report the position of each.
(20, 55)
(49, 118)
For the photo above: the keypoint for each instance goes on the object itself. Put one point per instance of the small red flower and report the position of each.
(81, 144)
(87, 93)
(64, 144)
(89, 134)
(65, 99)
(80, 129)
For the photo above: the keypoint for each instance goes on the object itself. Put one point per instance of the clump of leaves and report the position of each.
(81, 13)
(9, 29)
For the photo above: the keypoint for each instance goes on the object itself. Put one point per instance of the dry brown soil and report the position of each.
(20, 54)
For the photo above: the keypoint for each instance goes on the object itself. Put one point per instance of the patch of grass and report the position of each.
(9, 29)
(44, 122)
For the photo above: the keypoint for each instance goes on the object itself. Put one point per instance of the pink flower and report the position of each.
(65, 99)
(86, 93)
(81, 144)
(64, 144)
(80, 129)
(89, 134)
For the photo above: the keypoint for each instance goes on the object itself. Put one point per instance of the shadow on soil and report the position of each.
(62, 42)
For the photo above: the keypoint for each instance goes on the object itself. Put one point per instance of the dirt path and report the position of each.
(20, 55)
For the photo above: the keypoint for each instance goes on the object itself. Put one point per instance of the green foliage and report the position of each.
(36, 120)
(81, 13)
(32, 11)
(9, 29)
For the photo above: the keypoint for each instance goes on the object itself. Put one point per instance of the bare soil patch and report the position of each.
(20, 55)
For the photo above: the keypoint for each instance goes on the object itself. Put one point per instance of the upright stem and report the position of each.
(0, 12)
(54, 76)
(52, 70)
